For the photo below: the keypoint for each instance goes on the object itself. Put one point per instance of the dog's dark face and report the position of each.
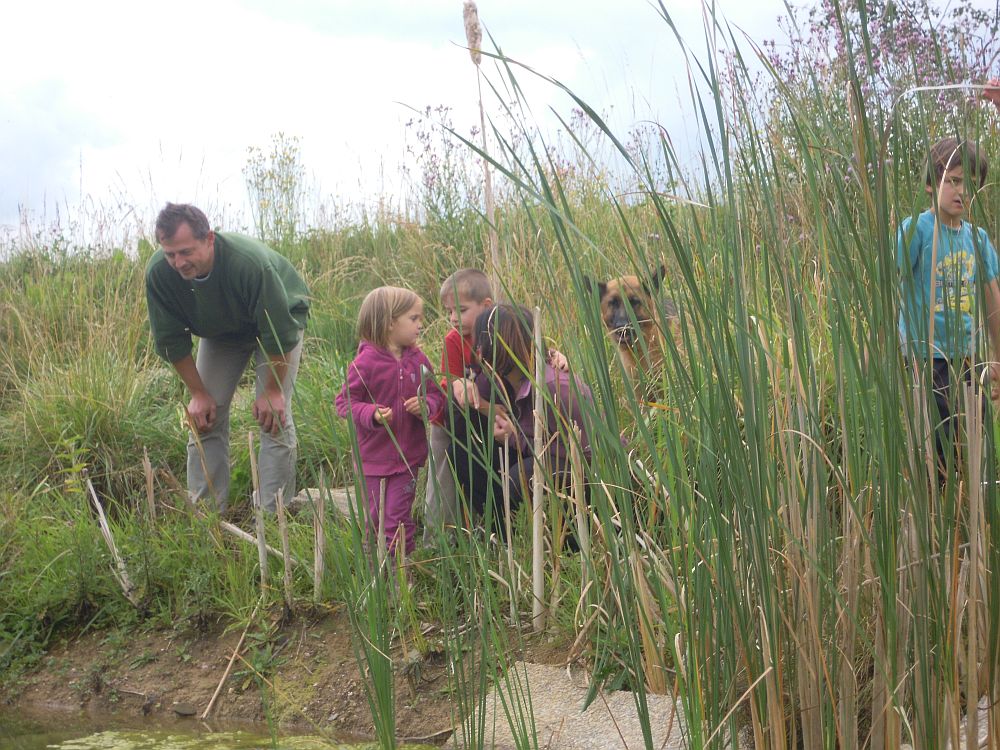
(622, 295)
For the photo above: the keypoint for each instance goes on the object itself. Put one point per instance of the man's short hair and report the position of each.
(175, 214)
(470, 283)
(949, 153)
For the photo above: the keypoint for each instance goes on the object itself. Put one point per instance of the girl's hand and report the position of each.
(503, 427)
(558, 360)
(465, 393)
(414, 405)
(383, 415)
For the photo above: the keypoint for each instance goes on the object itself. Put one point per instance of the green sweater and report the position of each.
(252, 293)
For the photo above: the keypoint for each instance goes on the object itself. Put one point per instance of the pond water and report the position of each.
(72, 732)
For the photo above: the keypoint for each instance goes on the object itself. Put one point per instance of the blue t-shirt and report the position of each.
(962, 255)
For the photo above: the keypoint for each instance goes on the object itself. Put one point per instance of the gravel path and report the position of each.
(610, 722)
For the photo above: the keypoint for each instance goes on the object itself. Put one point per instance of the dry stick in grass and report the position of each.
(232, 660)
(537, 517)
(319, 540)
(380, 542)
(505, 485)
(285, 547)
(580, 508)
(258, 512)
(974, 431)
(147, 470)
(474, 37)
(119, 570)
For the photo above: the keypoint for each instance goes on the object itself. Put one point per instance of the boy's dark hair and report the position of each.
(470, 283)
(503, 335)
(175, 214)
(949, 153)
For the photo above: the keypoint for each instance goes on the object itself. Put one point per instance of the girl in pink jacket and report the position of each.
(390, 391)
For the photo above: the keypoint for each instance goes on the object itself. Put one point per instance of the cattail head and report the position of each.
(473, 32)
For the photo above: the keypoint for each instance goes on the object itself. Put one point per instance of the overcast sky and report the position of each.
(129, 103)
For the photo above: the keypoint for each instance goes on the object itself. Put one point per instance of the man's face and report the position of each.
(190, 257)
(952, 201)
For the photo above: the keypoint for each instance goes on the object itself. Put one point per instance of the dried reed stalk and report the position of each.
(118, 570)
(650, 620)
(383, 552)
(975, 438)
(279, 504)
(147, 470)
(258, 511)
(474, 37)
(505, 485)
(537, 485)
(319, 540)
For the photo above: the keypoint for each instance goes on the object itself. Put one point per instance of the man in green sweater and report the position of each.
(241, 298)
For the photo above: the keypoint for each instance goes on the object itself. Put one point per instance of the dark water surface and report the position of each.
(68, 731)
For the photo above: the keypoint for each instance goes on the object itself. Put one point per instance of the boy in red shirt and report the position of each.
(464, 295)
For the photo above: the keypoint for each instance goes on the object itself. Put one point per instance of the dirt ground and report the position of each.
(314, 678)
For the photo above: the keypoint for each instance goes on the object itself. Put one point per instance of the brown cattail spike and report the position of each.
(473, 32)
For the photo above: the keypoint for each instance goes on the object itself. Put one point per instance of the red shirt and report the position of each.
(456, 358)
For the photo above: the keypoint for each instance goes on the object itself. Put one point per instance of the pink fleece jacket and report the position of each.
(376, 378)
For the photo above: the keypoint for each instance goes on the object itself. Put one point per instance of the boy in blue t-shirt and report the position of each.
(945, 262)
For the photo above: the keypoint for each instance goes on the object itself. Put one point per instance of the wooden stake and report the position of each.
(147, 469)
(119, 570)
(285, 547)
(258, 511)
(537, 483)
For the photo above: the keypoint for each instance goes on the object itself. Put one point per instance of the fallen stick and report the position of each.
(232, 660)
(118, 570)
(258, 511)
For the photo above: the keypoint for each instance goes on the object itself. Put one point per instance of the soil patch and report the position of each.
(314, 679)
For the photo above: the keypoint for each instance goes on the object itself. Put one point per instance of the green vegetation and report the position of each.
(769, 539)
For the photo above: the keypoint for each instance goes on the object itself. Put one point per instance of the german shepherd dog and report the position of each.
(639, 333)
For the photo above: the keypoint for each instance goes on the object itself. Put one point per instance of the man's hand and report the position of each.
(383, 415)
(465, 393)
(414, 405)
(992, 92)
(503, 427)
(269, 411)
(202, 408)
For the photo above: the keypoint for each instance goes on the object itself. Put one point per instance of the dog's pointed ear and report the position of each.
(656, 280)
(589, 284)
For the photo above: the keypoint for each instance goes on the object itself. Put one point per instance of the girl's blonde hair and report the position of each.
(379, 309)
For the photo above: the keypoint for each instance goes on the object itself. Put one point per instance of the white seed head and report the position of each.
(473, 32)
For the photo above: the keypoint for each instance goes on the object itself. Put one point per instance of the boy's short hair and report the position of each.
(949, 153)
(380, 307)
(470, 283)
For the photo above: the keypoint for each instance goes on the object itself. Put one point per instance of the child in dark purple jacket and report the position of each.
(390, 391)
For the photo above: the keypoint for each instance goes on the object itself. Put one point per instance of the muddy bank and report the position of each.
(313, 679)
